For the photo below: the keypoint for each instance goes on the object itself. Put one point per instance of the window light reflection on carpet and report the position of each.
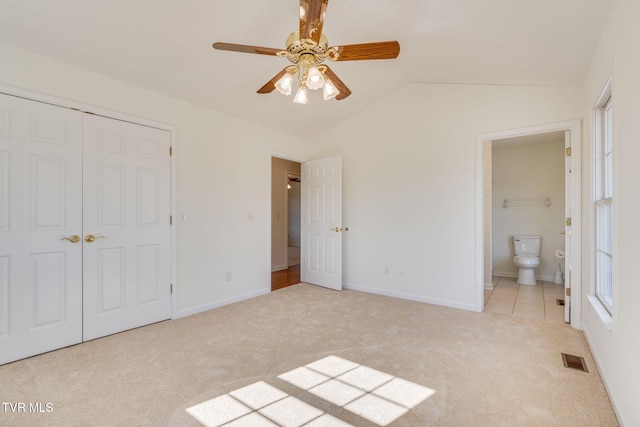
(371, 394)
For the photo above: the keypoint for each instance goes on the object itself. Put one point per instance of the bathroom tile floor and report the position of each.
(533, 302)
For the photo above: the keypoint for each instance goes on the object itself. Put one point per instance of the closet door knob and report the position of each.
(73, 239)
(90, 238)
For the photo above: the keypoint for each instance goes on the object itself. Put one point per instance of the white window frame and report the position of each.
(604, 286)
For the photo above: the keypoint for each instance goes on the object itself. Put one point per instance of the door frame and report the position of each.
(287, 203)
(574, 199)
(293, 158)
(173, 131)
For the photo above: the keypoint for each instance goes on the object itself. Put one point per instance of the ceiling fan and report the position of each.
(307, 49)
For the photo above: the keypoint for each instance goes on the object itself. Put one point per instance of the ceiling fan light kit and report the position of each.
(307, 49)
(310, 76)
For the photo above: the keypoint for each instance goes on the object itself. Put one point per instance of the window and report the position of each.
(603, 200)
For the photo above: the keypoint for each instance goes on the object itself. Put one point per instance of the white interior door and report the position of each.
(568, 186)
(126, 226)
(321, 210)
(40, 207)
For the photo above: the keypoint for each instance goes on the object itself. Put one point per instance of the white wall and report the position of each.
(617, 348)
(527, 170)
(224, 166)
(409, 165)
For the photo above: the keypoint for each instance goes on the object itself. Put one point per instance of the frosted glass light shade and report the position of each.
(302, 96)
(314, 78)
(284, 84)
(329, 91)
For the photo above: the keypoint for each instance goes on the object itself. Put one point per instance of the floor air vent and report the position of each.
(574, 362)
(560, 301)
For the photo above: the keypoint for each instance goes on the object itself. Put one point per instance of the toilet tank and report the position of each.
(526, 245)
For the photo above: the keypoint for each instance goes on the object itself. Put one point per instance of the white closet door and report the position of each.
(126, 210)
(40, 205)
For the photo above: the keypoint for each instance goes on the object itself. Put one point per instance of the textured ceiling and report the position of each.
(165, 46)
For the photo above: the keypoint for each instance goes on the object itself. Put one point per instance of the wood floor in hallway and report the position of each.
(283, 278)
(291, 276)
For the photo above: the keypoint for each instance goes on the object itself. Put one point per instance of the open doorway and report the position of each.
(285, 223)
(567, 228)
(526, 204)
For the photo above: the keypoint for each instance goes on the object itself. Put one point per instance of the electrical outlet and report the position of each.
(227, 276)
(401, 272)
(386, 271)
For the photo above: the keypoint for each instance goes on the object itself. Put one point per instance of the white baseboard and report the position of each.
(220, 303)
(515, 275)
(279, 268)
(505, 273)
(489, 286)
(410, 297)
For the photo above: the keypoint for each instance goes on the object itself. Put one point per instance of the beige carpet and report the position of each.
(485, 369)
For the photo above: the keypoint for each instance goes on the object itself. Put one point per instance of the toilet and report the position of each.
(527, 257)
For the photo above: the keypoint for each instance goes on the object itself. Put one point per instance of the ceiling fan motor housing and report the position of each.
(296, 48)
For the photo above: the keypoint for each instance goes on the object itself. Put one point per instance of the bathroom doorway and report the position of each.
(527, 198)
(499, 223)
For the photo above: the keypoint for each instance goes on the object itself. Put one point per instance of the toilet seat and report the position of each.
(526, 260)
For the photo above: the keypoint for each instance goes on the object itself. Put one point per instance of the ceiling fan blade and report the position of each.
(339, 84)
(271, 84)
(246, 48)
(378, 50)
(312, 18)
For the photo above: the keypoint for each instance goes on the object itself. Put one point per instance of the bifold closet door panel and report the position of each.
(126, 215)
(40, 228)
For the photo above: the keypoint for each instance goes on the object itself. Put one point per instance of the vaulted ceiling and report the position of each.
(165, 46)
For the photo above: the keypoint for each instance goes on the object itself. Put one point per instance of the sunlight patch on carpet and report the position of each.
(377, 396)
(371, 394)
